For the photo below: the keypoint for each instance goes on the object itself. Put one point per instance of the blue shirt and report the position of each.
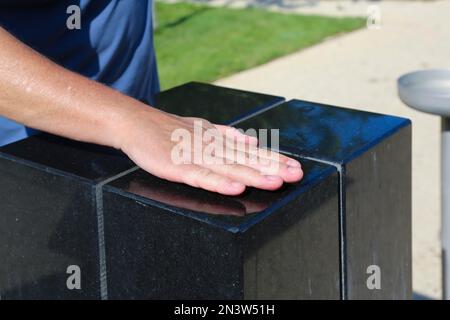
(114, 45)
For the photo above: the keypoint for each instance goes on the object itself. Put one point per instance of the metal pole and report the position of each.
(445, 167)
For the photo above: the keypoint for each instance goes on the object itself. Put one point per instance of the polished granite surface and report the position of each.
(235, 214)
(68, 157)
(219, 105)
(325, 132)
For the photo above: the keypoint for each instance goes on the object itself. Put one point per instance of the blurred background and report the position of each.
(345, 53)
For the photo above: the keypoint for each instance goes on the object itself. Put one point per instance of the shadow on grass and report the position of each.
(181, 19)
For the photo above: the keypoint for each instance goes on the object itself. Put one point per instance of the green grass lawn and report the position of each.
(195, 42)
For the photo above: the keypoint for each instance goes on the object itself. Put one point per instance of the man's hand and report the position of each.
(147, 140)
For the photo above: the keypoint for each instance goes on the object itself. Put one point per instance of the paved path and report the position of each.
(359, 70)
(327, 7)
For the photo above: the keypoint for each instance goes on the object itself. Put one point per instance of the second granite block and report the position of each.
(170, 241)
(373, 155)
(219, 105)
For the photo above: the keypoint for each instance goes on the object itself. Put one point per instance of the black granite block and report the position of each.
(217, 104)
(378, 218)
(48, 221)
(373, 155)
(167, 240)
(50, 204)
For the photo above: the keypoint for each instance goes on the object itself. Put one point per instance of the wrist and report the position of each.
(125, 123)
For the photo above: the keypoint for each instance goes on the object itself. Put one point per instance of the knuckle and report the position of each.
(203, 172)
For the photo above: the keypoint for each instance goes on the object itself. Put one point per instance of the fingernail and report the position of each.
(236, 185)
(294, 169)
(293, 163)
(272, 178)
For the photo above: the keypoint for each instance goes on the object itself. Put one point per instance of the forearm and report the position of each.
(38, 93)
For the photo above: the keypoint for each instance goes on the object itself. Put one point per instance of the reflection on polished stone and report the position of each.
(190, 243)
(235, 214)
(217, 104)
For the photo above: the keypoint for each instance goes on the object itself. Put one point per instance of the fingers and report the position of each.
(201, 177)
(232, 179)
(264, 153)
(267, 166)
(236, 135)
(237, 163)
(243, 149)
(247, 175)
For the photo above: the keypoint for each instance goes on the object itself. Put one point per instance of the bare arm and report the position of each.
(40, 94)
